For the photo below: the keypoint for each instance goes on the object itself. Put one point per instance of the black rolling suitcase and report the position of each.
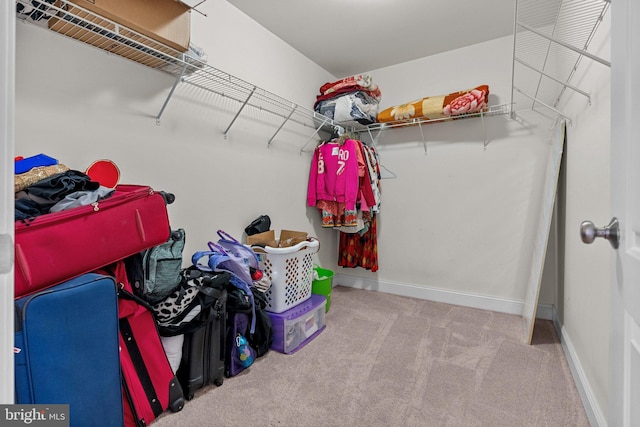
(203, 350)
(197, 310)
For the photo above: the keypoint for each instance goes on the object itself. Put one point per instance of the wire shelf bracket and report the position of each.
(282, 125)
(173, 88)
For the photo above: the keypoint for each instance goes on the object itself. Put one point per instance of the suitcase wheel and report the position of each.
(218, 382)
(177, 405)
(168, 197)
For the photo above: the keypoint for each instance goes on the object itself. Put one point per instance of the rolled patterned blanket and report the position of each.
(437, 107)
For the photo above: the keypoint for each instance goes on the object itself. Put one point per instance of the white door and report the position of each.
(7, 64)
(625, 181)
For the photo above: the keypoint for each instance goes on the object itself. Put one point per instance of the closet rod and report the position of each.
(567, 45)
(553, 78)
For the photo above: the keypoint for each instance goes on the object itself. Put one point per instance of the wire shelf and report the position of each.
(493, 110)
(72, 20)
(551, 38)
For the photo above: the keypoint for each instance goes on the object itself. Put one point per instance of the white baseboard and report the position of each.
(484, 302)
(594, 412)
(502, 305)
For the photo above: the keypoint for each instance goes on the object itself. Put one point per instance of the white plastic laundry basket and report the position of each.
(291, 273)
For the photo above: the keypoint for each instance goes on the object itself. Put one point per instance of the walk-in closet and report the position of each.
(474, 260)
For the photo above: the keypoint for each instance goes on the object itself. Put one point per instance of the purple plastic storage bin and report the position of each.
(296, 327)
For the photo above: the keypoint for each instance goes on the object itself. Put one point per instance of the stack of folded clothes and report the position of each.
(350, 102)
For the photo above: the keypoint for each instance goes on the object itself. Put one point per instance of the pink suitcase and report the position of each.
(149, 385)
(59, 246)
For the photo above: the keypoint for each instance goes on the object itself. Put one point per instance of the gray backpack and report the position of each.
(162, 265)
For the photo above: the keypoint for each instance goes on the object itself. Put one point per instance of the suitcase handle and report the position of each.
(125, 294)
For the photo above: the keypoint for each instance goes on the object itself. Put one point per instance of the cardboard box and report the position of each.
(166, 22)
(287, 238)
(290, 238)
(266, 238)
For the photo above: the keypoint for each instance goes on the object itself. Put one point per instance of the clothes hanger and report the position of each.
(391, 174)
(338, 132)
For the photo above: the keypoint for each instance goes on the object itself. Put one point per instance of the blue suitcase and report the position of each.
(67, 350)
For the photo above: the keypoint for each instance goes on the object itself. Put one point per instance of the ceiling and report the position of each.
(346, 37)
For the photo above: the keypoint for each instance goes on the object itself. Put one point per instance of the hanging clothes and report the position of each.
(344, 185)
(360, 249)
(374, 175)
(366, 196)
(334, 183)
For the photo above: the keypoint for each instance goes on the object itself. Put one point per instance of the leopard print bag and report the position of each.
(186, 308)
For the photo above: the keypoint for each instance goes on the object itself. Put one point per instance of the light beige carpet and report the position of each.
(386, 360)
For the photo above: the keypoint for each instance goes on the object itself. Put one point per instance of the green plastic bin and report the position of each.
(322, 286)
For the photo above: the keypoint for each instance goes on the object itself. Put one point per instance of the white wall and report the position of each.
(584, 306)
(458, 222)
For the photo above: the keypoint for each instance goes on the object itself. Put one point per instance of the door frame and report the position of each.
(625, 348)
(7, 107)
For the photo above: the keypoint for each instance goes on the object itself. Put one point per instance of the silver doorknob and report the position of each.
(611, 232)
